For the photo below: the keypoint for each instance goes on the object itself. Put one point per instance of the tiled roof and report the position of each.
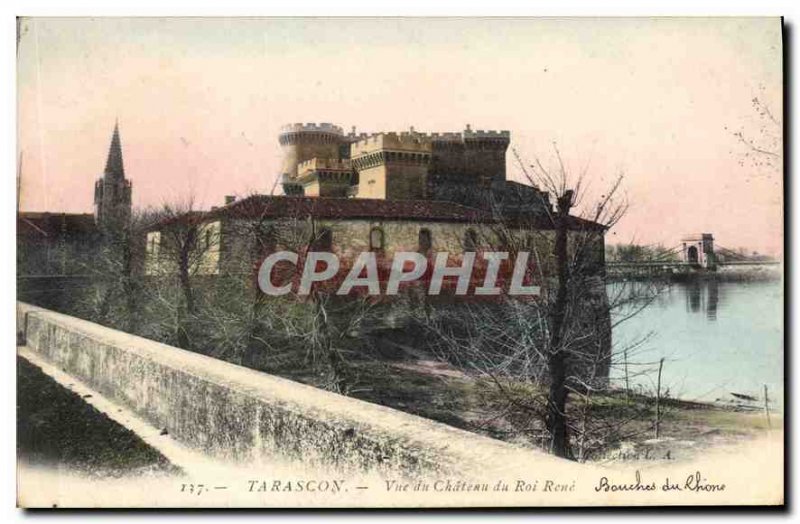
(539, 221)
(52, 225)
(188, 217)
(267, 207)
(262, 206)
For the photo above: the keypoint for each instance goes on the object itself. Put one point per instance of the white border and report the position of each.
(788, 8)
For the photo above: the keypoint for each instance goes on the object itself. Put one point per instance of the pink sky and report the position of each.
(200, 103)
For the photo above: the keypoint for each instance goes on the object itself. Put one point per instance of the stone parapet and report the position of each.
(236, 414)
(312, 128)
(409, 142)
(327, 164)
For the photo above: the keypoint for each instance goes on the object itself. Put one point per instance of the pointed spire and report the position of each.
(114, 167)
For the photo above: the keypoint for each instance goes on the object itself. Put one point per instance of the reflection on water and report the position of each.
(703, 295)
(716, 338)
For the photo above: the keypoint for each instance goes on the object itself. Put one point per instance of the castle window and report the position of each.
(376, 239)
(153, 240)
(207, 240)
(425, 240)
(470, 240)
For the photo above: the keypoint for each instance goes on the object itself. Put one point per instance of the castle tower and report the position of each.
(392, 166)
(485, 155)
(320, 160)
(303, 142)
(112, 192)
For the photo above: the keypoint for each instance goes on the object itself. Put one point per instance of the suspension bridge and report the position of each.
(694, 254)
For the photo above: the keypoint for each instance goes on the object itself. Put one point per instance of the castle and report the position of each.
(381, 192)
(345, 194)
(467, 167)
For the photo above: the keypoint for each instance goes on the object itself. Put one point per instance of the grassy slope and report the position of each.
(56, 428)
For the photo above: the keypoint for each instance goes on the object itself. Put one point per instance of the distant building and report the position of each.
(51, 243)
(112, 191)
(237, 236)
(698, 250)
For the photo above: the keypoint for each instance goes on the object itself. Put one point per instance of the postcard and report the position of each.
(400, 262)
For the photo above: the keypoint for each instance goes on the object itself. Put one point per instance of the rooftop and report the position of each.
(276, 207)
(51, 225)
(259, 206)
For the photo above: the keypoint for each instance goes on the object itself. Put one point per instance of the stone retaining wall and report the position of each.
(241, 415)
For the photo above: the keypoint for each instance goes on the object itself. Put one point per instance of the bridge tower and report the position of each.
(698, 250)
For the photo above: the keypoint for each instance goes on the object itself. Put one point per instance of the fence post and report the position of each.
(658, 398)
(627, 385)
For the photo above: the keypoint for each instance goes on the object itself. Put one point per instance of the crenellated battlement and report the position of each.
(326, 127)
(327, 164)
(322, 157)
(354, 136)
(358, 136)
(446, 137)
(480, 133)
(312, 127)
(406, 141)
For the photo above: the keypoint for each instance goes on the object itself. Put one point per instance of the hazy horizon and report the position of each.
(200, 103)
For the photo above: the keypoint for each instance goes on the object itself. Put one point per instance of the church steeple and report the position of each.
(112, 193)
(114, 167)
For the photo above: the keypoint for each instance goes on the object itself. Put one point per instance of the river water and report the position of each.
(716, 338)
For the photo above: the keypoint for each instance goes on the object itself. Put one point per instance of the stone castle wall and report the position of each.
(303, 142)
(391, 165)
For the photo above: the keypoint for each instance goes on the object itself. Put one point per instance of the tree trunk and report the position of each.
(254, 346)
(186, 284)
(336, 367)
(556, 419)
(129, 285)
(184, 319)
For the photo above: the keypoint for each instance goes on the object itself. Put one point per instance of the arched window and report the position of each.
(323, 241)
(470, 240)
(153, 240)
(425, 240)
(691, 255)
(376, 239)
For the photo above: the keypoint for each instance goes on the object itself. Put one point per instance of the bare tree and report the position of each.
(182, 252)
(238, 322)
(536, 353)
(762, 142)
(328, 326)
(113, 264)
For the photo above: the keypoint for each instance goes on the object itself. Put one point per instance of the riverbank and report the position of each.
(56, 428)
(418, 384)
(617, 426)
(732, 273)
